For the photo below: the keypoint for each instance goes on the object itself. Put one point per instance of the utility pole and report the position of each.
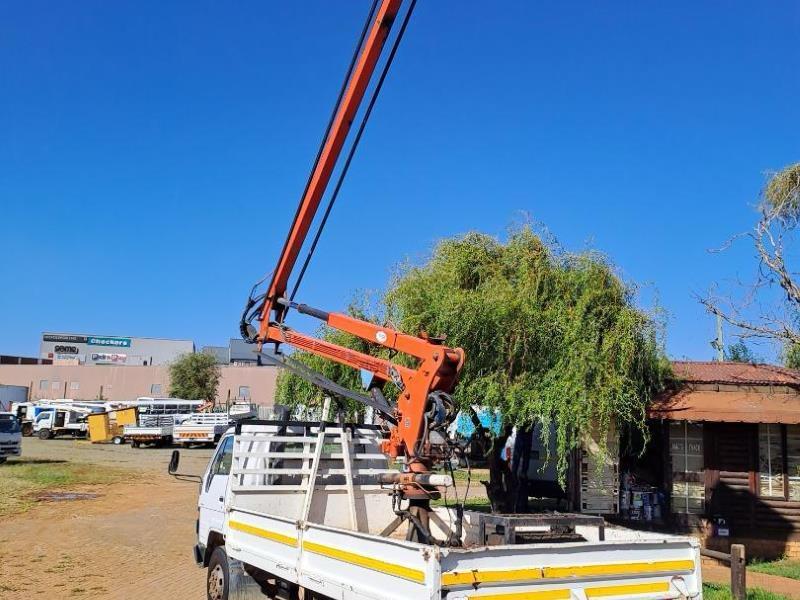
(719, 343)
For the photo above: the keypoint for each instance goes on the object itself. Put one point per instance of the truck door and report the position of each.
(212, 498)
(44, 420)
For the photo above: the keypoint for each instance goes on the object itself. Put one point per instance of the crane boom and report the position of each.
(426, 380)
(320, 177)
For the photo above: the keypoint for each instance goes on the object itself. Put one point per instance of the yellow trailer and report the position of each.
(107, 426)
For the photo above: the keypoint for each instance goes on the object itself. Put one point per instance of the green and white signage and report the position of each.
(109, 342)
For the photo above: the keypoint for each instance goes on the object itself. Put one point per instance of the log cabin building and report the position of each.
(728, 439)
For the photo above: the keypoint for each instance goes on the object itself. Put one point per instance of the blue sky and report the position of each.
(152, 154)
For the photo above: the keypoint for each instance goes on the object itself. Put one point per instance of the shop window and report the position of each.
(244, 392)
(770, 460)
(155, 389)
(779, 461)
(793, 461)
(686, 453)
(56, 385)
(74, 385)
(44, 384)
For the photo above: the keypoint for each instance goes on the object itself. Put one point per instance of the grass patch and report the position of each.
(478, 504)
(784, 567)
(21, 480)
(716, 591)
(461, 475)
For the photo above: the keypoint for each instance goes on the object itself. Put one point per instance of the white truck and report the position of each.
(153, 430)
(294, 510)
(55, 421)
(207, 428)
(10, 436)
(201, 428)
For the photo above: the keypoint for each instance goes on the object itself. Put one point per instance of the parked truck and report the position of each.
(59, 420)
(294, 510)
(10, 436)
(156, 430)
(291, 507)
(201, 428)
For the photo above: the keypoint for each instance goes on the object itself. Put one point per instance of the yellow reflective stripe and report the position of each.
(471, 577)
(540, 595)
(485, 576)
(595, 592)
(664, 566)
(263, 533)
(365, 561)
(626, 590)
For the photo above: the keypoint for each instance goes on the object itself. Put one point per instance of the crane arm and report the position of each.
(332, 148)
(436, 366)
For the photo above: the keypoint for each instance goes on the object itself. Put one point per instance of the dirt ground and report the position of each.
(134, 540)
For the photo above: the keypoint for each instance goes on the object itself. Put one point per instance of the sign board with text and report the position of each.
(109, 342)
(104, 358)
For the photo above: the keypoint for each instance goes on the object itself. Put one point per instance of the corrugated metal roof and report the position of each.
(767, 394)
(735, 373)
(728, 407)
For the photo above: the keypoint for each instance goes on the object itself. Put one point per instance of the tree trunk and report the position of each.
(499, 484)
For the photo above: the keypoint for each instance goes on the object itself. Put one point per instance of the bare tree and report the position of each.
(752, 315)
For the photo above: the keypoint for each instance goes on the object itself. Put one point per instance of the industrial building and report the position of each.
(88, 382)
(87, 367)
(237, 352)
(91, 349)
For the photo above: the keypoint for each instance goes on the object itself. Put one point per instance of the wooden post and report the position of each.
(738, 572)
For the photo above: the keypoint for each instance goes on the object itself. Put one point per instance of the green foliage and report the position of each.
(791, 356)
(782, 192)
(548, 335)
(741, 352)
(194, 377)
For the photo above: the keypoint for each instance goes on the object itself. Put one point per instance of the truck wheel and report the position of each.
(134, 444)
(117, 440)
(227, 579)
(27, 429)
(44, 434)
(217, 580)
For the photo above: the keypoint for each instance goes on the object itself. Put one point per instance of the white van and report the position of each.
(10, 436)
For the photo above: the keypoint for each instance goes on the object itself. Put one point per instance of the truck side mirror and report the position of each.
(173, 462)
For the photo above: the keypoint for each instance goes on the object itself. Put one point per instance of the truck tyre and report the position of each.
(218, 575)
(117, 440)
(27, 429)
(134, 444)
(227, 579)
(44, 434)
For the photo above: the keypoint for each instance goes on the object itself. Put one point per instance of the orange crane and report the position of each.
(423, 401)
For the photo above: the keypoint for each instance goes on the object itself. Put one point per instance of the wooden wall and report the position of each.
(732, 484)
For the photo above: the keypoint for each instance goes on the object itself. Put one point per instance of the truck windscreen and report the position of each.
(8, 424)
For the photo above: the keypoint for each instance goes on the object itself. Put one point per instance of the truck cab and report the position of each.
(211, 501)
(53, 422)
(10, 436)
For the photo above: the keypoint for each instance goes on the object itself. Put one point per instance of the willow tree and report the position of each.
(549, 336)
